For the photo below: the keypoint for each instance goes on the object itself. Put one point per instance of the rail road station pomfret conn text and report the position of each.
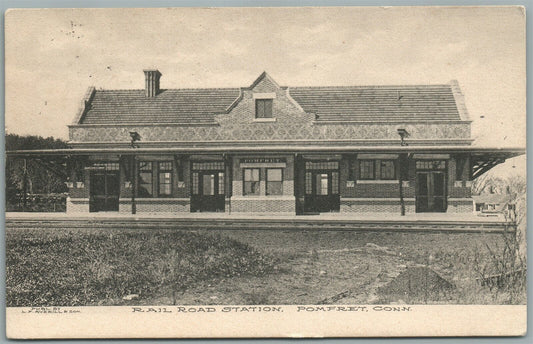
(353, 308)
(194, 309)
(266, 309)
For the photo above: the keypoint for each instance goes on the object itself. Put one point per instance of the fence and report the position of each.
(37, 203)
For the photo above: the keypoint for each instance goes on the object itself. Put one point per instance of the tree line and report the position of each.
(39, 180)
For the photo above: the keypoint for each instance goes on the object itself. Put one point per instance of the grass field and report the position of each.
(64, 267)
(96, 267)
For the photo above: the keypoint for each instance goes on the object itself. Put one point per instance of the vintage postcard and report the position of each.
(265, 172)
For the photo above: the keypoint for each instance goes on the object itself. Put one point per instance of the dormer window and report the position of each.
(263, 108)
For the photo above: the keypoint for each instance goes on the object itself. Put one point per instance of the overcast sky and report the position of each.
(53, 56)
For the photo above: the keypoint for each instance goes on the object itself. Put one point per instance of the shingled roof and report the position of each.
(378, 103)
(173, 106)
(329, 104)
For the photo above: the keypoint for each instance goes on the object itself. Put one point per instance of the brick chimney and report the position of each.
(151, 77)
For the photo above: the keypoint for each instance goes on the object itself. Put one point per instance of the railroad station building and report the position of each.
(271, 149)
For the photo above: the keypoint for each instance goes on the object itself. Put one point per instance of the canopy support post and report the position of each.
(25, 185)
(133, 184)
(402, 161)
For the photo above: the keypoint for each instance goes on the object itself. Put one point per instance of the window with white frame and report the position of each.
(387, 170)
(366, 169)
(377, 170)
(145, 179)
(251, 181)
(274, 181)
(165, 178)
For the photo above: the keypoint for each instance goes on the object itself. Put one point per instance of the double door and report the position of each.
(321, 191)
(207, 191)
(431, 191)
(104, 190)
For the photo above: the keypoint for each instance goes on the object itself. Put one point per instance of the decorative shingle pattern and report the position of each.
(271, 131)
(179, 106)
(378, 103)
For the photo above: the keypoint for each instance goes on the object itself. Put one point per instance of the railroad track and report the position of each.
(262, 224)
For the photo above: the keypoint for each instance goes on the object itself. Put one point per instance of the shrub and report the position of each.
(37, 203)
(67, 268)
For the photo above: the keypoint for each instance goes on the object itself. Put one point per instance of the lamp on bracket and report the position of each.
(135, 137)
(403, 135)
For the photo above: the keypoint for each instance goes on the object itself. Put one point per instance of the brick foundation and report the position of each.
(237, 187)
(288, 187)
(376, 205)
(268, 204)
(460, 205)
(77, 205)
(156, 205)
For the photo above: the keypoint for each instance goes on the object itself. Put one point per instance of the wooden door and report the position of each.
(104, 191)
(431, 192)
(208, 191)
(322, 191)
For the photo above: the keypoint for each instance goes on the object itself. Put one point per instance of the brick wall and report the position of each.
(391, 190)
(459, 192)
(179, 187)
(288, 187)
(459, 196)
(376, 206)
(410, 191)
(124, 191)
(237, 187)
(288, 175)
(77, 205)
(185, 189)
(82, 192)
(145, 205)
(78, 200)
(455, 190)
(267, 204)
(352, 197)
(375, 188)
(280, 204)
(465, 205)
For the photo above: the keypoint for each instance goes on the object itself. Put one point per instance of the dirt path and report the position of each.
(339, 276)
(343, 267)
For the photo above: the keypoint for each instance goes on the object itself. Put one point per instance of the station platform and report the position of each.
(461, 222)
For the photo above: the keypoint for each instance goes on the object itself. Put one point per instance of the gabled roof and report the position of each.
(260, 78)
(379, 103)
(329, 104)
(491, 198)
(177, 106)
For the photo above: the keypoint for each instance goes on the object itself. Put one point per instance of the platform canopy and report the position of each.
(483, 158)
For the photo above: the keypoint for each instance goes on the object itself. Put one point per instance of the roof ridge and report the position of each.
(168, 89)
(290, 87)
(373, 86)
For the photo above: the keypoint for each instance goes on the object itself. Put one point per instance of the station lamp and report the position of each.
(403, 135)
(134, 138)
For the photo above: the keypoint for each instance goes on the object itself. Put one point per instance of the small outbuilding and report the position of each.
(492, 203)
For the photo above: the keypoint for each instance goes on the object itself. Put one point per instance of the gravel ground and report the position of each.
(343, 267)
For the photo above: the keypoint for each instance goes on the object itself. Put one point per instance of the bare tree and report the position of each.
(487, 183)
(516, 187)
(505, 270)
